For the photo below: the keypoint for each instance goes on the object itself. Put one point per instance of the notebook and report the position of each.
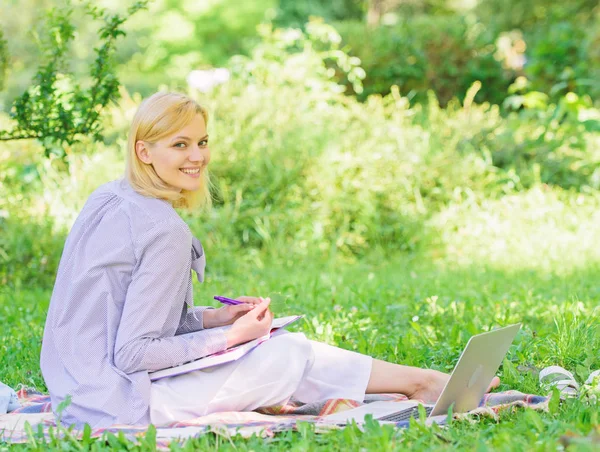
(470, 378)
(225, 356)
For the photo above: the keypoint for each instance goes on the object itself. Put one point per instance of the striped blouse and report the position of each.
(121, 307)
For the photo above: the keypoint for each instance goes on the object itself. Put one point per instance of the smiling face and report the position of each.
(179, 158)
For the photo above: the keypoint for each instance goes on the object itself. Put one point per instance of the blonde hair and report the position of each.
(158, 116)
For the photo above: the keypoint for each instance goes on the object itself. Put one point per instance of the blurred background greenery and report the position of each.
(342, 127)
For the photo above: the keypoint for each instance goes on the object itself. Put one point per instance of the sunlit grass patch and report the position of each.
(542, 229)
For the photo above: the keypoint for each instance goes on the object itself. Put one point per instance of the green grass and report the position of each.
(406, 309)
(523, 258)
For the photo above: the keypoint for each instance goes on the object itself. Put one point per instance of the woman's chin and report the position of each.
(190, 186)
(187, 184)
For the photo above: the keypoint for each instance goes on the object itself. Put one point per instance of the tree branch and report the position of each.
(21, 137)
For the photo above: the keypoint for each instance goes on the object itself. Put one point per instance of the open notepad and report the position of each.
(225, 356)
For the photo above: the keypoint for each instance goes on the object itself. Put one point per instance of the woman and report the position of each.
(122, 303)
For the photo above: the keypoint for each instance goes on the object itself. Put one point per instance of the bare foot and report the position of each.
(432, 384)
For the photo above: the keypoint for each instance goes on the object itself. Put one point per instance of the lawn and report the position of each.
(415, 308)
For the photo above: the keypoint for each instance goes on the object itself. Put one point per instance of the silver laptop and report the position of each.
(468, 383)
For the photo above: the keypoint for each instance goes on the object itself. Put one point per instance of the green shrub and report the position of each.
(299, 167)
(298, 162)
(292, 13)
(3, 59)
(30, 250)
(562, 41)
(188, 35)
(444, 54)
(30, 244)
(531, 15)
(564, 57)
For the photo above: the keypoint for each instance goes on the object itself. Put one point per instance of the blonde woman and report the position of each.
(122, 303)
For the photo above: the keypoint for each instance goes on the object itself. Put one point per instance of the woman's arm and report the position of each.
(146, 337)
(195, 319)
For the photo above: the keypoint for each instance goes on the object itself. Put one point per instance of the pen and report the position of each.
(232, 302)
(229, 301)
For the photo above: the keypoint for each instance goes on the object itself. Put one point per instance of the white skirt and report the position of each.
(285, 366)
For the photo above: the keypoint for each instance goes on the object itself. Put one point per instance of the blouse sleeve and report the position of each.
(147, 336)
(193, 320)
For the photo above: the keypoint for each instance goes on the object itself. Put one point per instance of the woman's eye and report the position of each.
(203, 143)
(179, 145)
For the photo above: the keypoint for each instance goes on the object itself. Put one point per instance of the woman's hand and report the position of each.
(228, 314)
(251, 325)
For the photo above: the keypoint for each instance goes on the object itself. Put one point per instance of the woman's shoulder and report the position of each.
(144, 213)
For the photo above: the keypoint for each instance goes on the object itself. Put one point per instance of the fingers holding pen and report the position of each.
(254, 301)
(254, 323)
(239, 309)
(261, 310)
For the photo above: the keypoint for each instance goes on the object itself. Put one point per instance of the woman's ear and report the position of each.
(142, 152)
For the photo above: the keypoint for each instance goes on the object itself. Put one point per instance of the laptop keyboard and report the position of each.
(405, 414)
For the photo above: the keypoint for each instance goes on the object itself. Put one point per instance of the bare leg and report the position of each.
(422, 384)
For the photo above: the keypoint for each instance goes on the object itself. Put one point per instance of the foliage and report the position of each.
(422, 44)
(565, 58)
(29, 252)
(529, 15)
(443, 54)
(187, 35)
(290, 145)
(542, 142)
(56, 109)
(291, 13)
(561, 39)
(3, 59)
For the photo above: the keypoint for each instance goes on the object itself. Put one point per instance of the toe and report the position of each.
(494, 384)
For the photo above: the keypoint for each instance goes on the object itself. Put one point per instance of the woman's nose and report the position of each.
(197, 155)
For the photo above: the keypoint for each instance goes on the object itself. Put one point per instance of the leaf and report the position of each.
(554, 402)
(534, 418)
(591, 125)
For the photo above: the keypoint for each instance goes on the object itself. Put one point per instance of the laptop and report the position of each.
(468, 383)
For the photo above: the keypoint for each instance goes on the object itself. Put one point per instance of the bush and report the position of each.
(444, 54)
(562, 41)
(301, 168)
(564, 57)
(531, 15)
(188, 35)
(29, 252)
(292, 13)
(553, 144)
(3, 60)
(300, 164)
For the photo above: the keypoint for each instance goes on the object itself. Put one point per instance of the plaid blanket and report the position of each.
(35, 415)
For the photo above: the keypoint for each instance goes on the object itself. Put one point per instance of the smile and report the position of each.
(190, 171)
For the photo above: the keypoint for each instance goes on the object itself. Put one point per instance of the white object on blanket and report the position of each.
(8, 399)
